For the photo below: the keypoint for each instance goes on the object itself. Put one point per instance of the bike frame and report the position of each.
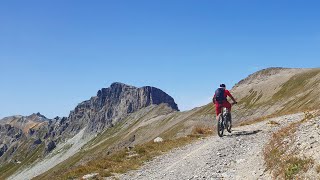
(222, 121)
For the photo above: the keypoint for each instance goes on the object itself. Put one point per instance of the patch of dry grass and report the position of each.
(295, 164)
(283, 162)
(308, 116)
(273, 123)
(202, 130)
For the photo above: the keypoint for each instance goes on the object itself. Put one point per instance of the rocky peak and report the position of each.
(120, 85)
(146, 95)
(37, 117)
(113, 104)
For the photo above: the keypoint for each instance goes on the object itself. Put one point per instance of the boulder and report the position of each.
(158, 140)
(90, 176)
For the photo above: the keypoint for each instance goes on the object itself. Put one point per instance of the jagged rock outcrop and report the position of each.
(51, 145)
(111, 105)
(3, 149)
(9, 135)
(37, 141)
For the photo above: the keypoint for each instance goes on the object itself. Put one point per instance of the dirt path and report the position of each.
(235, 156)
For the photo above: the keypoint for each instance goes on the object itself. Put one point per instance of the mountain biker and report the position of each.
(220, 99)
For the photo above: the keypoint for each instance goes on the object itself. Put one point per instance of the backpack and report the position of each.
(220, 95)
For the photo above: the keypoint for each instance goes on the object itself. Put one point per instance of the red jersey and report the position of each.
(224, 103)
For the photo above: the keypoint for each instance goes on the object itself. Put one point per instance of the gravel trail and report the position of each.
(235, 156)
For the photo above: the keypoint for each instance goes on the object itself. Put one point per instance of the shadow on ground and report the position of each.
(243, 133)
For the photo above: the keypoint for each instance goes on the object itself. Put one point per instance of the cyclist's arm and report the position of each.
(229, 94)
(234, 101)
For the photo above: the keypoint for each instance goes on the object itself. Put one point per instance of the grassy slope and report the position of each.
(297, 94)
(302, 90)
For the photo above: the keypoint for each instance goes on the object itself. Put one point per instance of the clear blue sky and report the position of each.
(55, 54)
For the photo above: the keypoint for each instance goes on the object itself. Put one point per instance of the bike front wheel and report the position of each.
(229, 125)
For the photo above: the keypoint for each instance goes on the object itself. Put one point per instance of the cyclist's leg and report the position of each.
(227, 105)
(218, 110)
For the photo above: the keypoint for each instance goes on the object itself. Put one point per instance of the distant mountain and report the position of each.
(113, 104)
(25, 122)
(17, 131)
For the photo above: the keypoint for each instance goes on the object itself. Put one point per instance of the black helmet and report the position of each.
(222, 85)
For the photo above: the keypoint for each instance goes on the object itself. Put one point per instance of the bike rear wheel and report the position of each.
(220, 126)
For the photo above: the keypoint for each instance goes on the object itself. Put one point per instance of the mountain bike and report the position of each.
(224, 121)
